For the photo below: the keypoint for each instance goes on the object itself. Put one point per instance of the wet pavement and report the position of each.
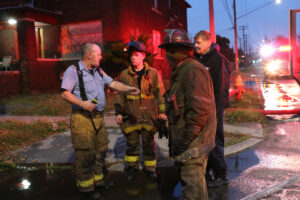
(56, 181)
(251, 170)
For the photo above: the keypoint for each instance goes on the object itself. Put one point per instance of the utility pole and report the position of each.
(243, 28)
(235, 40)
(212, 21)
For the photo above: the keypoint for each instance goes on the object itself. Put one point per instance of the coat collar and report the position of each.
(180, 66)
(130, 71)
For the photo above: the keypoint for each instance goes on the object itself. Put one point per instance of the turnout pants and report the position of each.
(192, 176)
(90, 149)
(133, 149)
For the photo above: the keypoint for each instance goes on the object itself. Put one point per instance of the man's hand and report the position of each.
(163, 116)
(88, 105)
(133, 90)
(116, 85)
(119, 120)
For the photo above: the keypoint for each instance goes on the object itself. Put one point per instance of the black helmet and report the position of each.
(136, 46)
(176, 38)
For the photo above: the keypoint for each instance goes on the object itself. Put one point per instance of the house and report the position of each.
(47, 34)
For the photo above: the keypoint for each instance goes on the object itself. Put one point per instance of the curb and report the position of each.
(241, 146)
(273, 189)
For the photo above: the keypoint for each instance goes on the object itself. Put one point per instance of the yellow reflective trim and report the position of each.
(131, 158)
(84, 184)
(98, 177)
(149, 162)
(132, 191)
(133, 97)
(151, 186)
(137, 127)
(143, 96)
(147, 97)
(162, 107)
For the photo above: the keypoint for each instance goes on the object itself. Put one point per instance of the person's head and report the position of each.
(91, 54)
(178, 46)
(137, 52)
(203, 41)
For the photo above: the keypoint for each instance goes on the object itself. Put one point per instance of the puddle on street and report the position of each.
(33, 182)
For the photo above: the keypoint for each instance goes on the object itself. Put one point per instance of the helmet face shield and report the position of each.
(176, 38)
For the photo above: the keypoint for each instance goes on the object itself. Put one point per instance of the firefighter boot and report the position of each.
(151, 174)
(92, 195)
(105, 184)
(130, 172)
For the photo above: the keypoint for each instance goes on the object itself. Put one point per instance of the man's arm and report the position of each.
(123, 88)
(69, 97)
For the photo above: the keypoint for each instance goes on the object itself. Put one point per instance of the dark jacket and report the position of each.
(219, 70)
(192, 126)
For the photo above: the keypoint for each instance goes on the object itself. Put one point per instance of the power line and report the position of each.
(255, 9)
(225, 29)
(225, 4)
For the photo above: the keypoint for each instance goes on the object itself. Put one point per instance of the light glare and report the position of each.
(25, 184)
(12, 21)
(267, 50)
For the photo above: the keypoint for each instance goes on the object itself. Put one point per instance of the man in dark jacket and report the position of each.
(190, 107)
(208, 54)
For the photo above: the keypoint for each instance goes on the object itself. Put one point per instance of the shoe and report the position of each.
(105, 184)
(217, 182)
(130, 173)
(91, 195)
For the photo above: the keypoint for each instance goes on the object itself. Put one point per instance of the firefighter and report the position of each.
(190, 107)
(83, 87)
(136, 114)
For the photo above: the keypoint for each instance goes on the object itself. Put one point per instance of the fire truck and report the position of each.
(276, 59)
(282, 58)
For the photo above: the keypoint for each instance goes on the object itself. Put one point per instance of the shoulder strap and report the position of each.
(81, 84)
(99, 71)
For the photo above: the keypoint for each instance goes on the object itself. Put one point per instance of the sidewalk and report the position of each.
(58, 148)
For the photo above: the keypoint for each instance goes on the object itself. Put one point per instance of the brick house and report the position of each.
(49, 33)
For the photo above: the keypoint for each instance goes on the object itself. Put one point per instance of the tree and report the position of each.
(115, 58)
(224, 42)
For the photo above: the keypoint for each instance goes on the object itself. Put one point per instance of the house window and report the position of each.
(47, 40)
(74, 35)
(156, 43)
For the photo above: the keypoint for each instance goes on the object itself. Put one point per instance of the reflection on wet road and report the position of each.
(281, 95)
(56, 183)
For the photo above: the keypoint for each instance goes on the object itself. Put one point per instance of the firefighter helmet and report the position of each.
(136, 46)
(176, 38)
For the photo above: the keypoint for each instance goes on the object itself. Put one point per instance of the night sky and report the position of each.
(266, 21)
